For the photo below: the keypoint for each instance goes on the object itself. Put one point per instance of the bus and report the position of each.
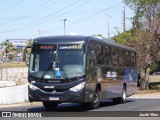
(80, 69)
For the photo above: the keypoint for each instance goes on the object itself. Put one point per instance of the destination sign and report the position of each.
(71, 47)
(45, 47)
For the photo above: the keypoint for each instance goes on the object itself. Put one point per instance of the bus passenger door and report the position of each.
(90, 75)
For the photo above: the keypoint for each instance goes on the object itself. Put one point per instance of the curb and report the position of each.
(20, 104)
(145, 97)
(7, 84)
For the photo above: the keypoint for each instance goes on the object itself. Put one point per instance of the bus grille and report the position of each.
(54, 90)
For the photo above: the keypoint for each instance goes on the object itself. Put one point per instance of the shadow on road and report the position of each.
(73, 107)
(108, 103)
(67, 107)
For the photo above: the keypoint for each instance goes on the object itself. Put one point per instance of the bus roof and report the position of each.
(76, 39)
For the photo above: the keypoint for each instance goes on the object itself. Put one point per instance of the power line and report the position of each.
(94, 14)
(70, 23)
(46, 17)
(68, 11)
(4, 2)
(23, 15)
(78, 20)
(65, 12)
(45, 7)
(11, 7)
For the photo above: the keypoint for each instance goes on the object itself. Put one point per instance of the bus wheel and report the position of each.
(121, 99)
(95, 104)
(124, 96)
(50, 105)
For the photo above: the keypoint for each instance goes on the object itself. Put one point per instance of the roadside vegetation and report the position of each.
(12, 65)
(144, 36)
(8, 52)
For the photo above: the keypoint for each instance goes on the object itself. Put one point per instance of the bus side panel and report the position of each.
(119, 77)
(112, 83)
(131, 80)
(90, 91)
(90, 85)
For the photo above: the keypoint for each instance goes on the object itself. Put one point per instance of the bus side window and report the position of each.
(108, 56)
(133, 59)
(99, 54)
(114, 56)
(121, 58)
(36, 62)
(128, 59)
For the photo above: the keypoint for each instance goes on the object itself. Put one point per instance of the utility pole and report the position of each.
(108, 25)
(64, 20)
(124, 20)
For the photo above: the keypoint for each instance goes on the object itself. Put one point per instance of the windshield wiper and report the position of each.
(64, 74)
(44, 73)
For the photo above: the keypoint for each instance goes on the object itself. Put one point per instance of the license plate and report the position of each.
(53, 98)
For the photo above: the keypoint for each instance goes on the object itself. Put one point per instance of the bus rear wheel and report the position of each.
(95, 104)
(122, 99)
(50, 105)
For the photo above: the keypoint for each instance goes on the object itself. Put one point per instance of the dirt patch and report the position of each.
(13, 64)
(147, 91)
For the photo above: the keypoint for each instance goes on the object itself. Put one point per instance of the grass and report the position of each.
(155, 87)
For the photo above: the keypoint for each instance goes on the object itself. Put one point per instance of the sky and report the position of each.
(28, 19)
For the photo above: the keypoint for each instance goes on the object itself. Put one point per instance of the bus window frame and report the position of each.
(116, 56)
(133, 60)
(119, 54)
(110, 48)
(98, 55)
(126, 57)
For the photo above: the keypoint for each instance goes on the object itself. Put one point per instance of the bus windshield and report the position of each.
(57, 61)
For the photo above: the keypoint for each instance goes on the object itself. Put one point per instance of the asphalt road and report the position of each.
(132, 108)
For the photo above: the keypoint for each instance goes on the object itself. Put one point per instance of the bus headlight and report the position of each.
(78, 87)
(32, 87)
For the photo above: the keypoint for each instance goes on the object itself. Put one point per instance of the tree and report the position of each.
(124, 37)
(146, 38)
(29, 42)
(9, 49)
(142, 42)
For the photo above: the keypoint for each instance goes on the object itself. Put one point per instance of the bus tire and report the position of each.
(95, 104)
(50, 105)
(124, 95)
(122, 99)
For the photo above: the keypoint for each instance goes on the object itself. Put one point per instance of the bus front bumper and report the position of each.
(66, 96)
